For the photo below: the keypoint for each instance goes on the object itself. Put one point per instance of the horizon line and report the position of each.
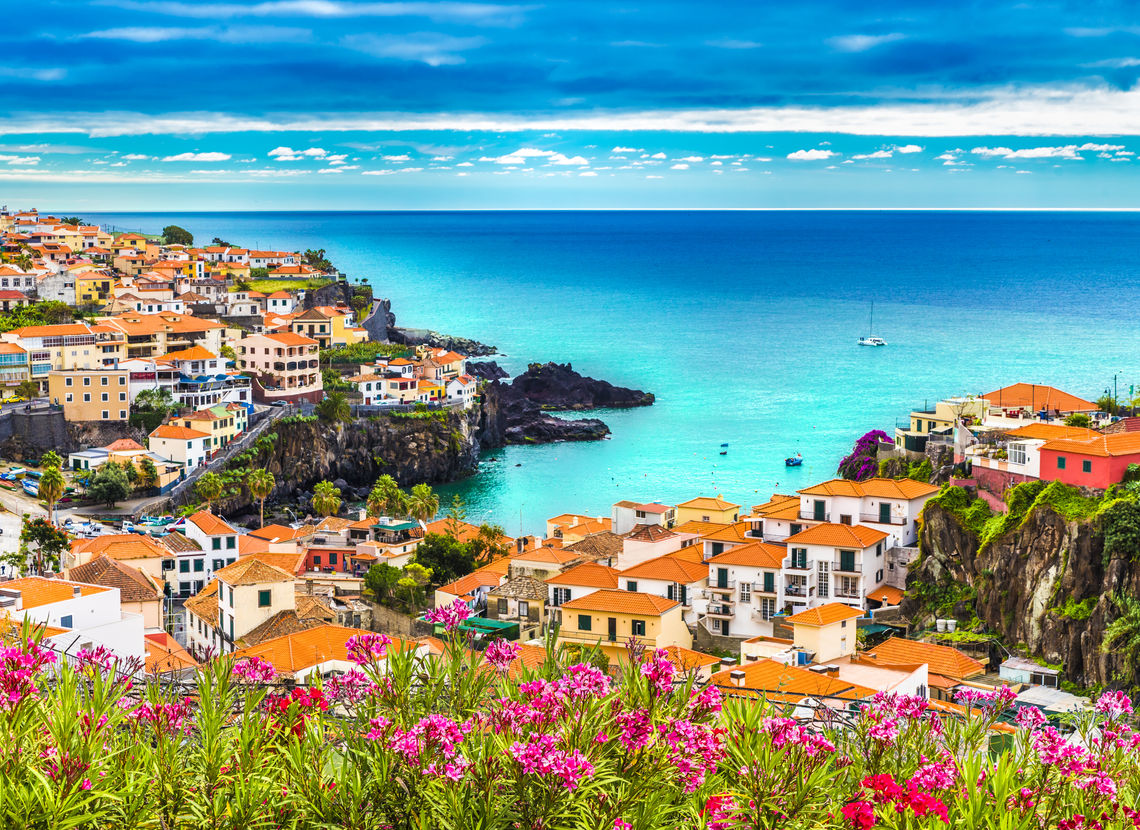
(632, 210)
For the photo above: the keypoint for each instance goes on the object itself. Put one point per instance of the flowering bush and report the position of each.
(455, 742)
(863, 462)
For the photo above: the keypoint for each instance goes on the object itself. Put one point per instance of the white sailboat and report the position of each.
(871, 339)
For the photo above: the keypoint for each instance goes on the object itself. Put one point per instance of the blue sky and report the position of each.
(294, 104)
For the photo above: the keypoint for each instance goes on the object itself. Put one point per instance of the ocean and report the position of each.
(743, 324)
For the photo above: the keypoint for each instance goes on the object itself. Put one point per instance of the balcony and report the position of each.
(876, 519)
(801, 591)
(721, 612)
(849, 568)
(812, 516)
(726, 587)
(804, 566)
(758, 616)
(758, 588)
(847, 593)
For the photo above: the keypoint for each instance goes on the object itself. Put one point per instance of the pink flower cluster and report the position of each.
(694, 750)
(19, 665)
(254, 670)
(432, 736)
(1114, 704)
(884, 789)
(1054, 751)
(100, 658)
(541, 755)
(172, 718)
(501, 653)
(449, 616)
(364, 649)
(786, 732)
(994, 699)
(660, 671)
(351, 687)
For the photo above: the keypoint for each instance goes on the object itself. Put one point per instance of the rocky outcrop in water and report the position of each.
(426, 337)
(1043, 585)
(556, 386)
(486, 370)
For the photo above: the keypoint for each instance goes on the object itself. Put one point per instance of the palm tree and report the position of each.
(209, 488)
(490, 543)
(423, 503)
(386, 498)
(1122, 635)
(334, 408)
(260, 483)
(51, 489)
(51, 459)
(326, 498)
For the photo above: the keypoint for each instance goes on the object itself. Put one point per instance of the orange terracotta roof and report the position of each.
(204, 604)
(164, 654)
(887, 594)
(649, 533)
(671, 567)
(753, 555)
(249, 544)
(709, 503)
(700, 528)
(122, 546)
(786, 684)
(465, 585)
(133, 584)
(943, 660)
(193, 353)
(210, 524)
(622, 602)
(779, 507)
(1053, 432)
(288, 338)
(588, 575)
(686, 659)
(36, 590)
(733, 533)
(1036, 396)
(276, 533)
(61, 330)
(529, 657)
(886, 488)
(177, 432)
(547, 555)
(304, 649)
(828, 614)
(838, 536)
(1103, 446)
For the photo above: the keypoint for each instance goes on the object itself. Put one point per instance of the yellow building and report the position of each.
(153, 335)
(827, 631)
(93, 288)
(611, 618)
(328, 326)
(91, 394)
(222, 423)
(704, 509)
(939, 421)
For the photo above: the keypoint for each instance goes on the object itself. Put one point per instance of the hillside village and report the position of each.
(799, 595)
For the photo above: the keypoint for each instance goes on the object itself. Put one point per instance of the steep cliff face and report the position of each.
(433, 450)
(1042, 584)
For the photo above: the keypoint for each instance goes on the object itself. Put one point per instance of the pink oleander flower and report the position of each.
(1114, 704)
(431, 737)
(364, 649)
(1100, 782)
(660, 671)
(861, 814)
(635, 729)
(449, 616)
(351, 687)
(621, 824)
(885, 731)
(85, 784)
(501, 653)
(583, 681)
(1030, 717)
(254, 670)
(935, 775)
(171, 719)
(1053, 750)
(540, 755)
(996, 699)
(887, 704)
(707, 700)
(19, 666)
(694, 750)
(100, 658)
(718, 812)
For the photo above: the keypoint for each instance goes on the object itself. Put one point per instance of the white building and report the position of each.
(183, 445)
(627, 515)
(214, 546)
(746, 588)
(833, 562)
(680, 576)
(887, 504)
(649, 542)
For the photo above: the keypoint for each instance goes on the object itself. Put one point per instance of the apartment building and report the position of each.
(286, 366)
(91, 394)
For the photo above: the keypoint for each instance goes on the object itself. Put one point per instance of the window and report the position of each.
(585, 622)
(561, 595)
(1060, 462)
(631, 585)
(103, 380)
(847, 561)
(796, 529)
(502, 607)
(316, 561)
(105, 398)
(884, 512)
(199, 565)
(67, 381)
(87, 397)
(217, 564)
(638, 628)
(767, 608)
(217, 544)
(1086, 466)
(65, 621)
(745, 591)
(524, 608)
(1017, 454)
(86, 380)
(819, 508)
(106, 415)
(769, 582)
(231, 597)
(263, 599)
(823, 581)
(184, 566)
(332, 554)
(231, 543)
(799, 558)
(68, 398)
(844, 519)
(879, 575)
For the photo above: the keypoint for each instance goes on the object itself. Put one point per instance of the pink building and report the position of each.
(285, 367)
(1097, 462)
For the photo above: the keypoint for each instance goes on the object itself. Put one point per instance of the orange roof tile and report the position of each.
(465, 585)
(164, 654)
(622, 602)
(670, 567)
(828, 614)
(1103, 446)
(303, 649)
(709, 503)
(37, 590)
(193, 353)
(122, 546)
(887, 594)
(886, 488)
(733, 533)
(753, 555)
(786, 684)
(700, 528)
(838, 536)
(943, 660)
(686, 659)
(275, 532)
(779, 507)
(289, 563)
(529, 657)
(204, 604)
(588, 575)
(250, 570)
(1053, 432)
(547, 555)
(210, 524)
(1037, 397)
(177, 432)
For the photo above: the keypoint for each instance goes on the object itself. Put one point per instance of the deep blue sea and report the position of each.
(744, 325)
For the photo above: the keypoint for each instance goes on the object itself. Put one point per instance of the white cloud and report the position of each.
(465, 164)
(620, 149)
(289, 154)
(811, 155)
(878, 154)
(587, 173)
(654, 177)
(734, 44)
(949, 155)
(402, 157)
(19, 160)
(199, 157)
(861, 43)
(1115, 63)
(333, 159)
(679, 167)
(442, 158)
(421, 47)
(1068, 151)
(135, 157)
(908, 148)
(448, 11)
(216, 34)
(524, 155)
(658, 156)
(693, 159)
(716, 163)
(30, 73)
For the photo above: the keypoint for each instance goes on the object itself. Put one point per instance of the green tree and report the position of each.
(109, 485)
(132, 473)
(157, 400)
(51, 459)
(326, 498)
(423, 503)
(28, 389)
(228, 352)
(386, 498)
(259, 273)
(1122, 636)
(23, 261)
(447, 558)
(1106, 403)
(51, 489)
(218, 242)
(174, 235)
(148, 473)
(382, 580)
(456, 517)
(260, 483)
(71, 220)
(334, 408)
(41, 548)
(1078, 419)
(209, 488)
(489, 544)
(413, 583)
(317, 259)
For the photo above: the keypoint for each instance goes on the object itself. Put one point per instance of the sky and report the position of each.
(352, 104)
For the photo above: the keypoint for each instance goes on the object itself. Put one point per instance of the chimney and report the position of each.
(76, 591)
(737, 676)
(728, 662)
(11, 598)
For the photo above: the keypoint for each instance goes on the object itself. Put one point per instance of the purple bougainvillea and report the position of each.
(863, 461)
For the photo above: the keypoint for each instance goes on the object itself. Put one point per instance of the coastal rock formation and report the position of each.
(380, 321)
(426, 337)
(340, 291)
(556, 386)
(486, 370)
(1044, 583)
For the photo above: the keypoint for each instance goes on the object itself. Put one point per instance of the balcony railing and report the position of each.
(875, 518)
(720, 611)
(812, 516)
(846, 593)
(795, 565)
(799, 591)
(847, 568)
(723, 587)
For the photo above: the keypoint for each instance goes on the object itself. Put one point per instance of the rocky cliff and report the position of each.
(1038, 579)
(556, 386)
(426, 337)
(435, 449)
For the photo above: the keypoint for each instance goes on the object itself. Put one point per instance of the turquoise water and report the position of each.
(742, 323)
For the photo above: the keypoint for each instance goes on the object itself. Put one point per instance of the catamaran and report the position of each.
(871, 339)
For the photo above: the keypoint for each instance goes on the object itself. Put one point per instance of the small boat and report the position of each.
(794, 460)
(871, 339)
(31, 487)
(724, 452)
